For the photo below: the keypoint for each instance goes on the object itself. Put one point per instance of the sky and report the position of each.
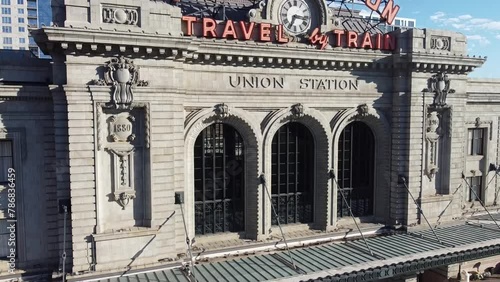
(479, 20)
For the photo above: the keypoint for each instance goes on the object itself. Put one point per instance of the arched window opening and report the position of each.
(292, 174)
(356, 153)
(219, 180)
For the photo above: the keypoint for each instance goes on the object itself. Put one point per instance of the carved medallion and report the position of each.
(121, 128)
(120, 15)
(441, 43)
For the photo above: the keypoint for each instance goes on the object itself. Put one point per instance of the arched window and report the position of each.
(292, 174)
(356, 153)
(219, 180)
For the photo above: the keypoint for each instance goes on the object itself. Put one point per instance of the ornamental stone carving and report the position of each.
(440, 85)
(432, 146)
(121, 128)
(120, 15)
(363, 110)
(221, 110)
(123, 75)
(297, 110)
(123, 188)
(441, 43)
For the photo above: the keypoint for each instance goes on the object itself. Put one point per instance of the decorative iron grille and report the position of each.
(219, 180)
(292, 174)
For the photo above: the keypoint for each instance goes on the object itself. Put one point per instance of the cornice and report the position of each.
(243, 53)
(453, 64)
(24, 93)
(208, 51)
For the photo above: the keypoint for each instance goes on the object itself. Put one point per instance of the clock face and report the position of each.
(295, 16)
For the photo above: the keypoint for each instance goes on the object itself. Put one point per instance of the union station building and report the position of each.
(278, 140)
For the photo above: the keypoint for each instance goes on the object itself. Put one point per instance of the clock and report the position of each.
(295, 16)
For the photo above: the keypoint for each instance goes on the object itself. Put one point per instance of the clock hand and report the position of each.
(293, 19)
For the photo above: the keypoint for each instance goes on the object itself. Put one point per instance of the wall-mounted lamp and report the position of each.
(331, 174)
(179, 198)
(262, 179)
(401, 179)
(493, 167)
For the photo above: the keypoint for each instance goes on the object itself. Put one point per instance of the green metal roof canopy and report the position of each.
(396, 255)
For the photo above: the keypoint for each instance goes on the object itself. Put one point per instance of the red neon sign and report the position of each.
(266, 32)
(388, 13)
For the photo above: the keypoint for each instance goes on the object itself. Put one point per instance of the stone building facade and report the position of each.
(147, 135)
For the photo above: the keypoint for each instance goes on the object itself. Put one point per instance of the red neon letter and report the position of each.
(367, 41)
(189, 24)
(265, 32)
(281, 36)
(389, 42)
(390, 12)
(373, 6)
(352, 39)
(247, 32)
(209, 26)
(229, 30)
(378, 42)
(338, 34)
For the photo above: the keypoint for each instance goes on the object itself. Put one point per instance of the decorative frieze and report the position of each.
(120, 15)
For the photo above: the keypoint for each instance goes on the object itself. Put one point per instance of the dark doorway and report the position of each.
(219, 180)
(293, 174)
(356, 153)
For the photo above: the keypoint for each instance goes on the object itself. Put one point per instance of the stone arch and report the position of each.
(195, 123)
(317, 125)
(381, 130)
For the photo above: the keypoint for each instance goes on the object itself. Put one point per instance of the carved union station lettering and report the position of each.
(328, 84)
(256, 82)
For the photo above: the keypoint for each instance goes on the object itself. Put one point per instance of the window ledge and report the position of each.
(121, 234)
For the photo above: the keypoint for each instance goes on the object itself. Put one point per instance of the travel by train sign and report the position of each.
(266, 32)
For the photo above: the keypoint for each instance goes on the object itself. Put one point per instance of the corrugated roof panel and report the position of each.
(343, 249)
(258, 270)
(330, 257)
(413, 245)
(258, 264)
(316, 257)
(265, 267)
